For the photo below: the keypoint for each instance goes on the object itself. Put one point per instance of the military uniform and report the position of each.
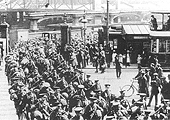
(78, 115)
(93, 110)
(58, 113)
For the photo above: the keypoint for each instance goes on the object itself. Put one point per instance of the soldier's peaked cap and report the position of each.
(96, 80)
(141, 94)
(78, 109)
(81, 86)
(107, 84)
(88, 75)
(147, 111)
(155, 74)
(93, 98)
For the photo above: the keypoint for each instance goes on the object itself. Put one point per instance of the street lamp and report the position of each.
(84, 21)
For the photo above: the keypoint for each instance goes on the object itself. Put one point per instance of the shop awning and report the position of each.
(136, 29)
(160, 33)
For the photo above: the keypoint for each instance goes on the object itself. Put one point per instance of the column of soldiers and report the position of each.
(45, 86)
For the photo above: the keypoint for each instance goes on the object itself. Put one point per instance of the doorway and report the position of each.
(135, 48)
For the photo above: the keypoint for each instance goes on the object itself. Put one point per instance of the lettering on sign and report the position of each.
(140, 37)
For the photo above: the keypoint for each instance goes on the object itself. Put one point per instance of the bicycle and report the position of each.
(130, 89)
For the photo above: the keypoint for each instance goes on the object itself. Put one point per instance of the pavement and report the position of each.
(7, 109)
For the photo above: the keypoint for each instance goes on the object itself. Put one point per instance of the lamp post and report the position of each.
(107, 25)
(84, 21)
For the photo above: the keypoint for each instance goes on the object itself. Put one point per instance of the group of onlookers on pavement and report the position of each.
(47, 83)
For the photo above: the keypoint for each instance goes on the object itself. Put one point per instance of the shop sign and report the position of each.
(140, 37)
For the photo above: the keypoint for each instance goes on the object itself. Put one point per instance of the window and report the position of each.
(153, 46)
(162, 45)
(168, 46)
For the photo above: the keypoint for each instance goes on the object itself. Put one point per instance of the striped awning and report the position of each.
(136, 29)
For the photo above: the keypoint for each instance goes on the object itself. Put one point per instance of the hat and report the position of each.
(20, 84)
(168, 108)
(88, 75)
(146, 70)
(97, 90)
(46, 84)
(109, 117)
(107, 84)
(97, 80)
(152, 15)
(114, 103)
(94, 99)
(143, 72)
(92, 93)
(153, 81)
(147, 111)
(56, 88)
(141, 94)
(166, 100)
(155, 74)
(78, 109)
(57, 103)
(43, 95)
(139, 103)
(75, 83)
(152, 64)
(81, 86)
(158, 64)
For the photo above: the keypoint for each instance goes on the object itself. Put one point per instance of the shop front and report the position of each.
(137, 42)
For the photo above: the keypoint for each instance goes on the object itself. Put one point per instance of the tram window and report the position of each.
(162, 45)
(153, 47)
(168, 45)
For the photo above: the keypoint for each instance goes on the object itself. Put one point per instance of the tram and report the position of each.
(160, 39)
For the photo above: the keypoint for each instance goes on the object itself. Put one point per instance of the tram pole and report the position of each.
(107, 25)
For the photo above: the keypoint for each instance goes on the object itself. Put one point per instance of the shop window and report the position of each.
(168, 46)
(162, 45)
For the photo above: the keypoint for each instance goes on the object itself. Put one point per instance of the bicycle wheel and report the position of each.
(128, 90)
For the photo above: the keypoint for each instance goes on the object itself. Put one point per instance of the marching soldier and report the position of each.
(147, 115)
(78, 116)
(58, 113)
(93, 111)
(44, 107)
(88, 85)
(107, 94)
(96, 86)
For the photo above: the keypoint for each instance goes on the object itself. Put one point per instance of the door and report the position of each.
(135, 48)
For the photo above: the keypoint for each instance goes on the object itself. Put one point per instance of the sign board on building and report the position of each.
(140, 37)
